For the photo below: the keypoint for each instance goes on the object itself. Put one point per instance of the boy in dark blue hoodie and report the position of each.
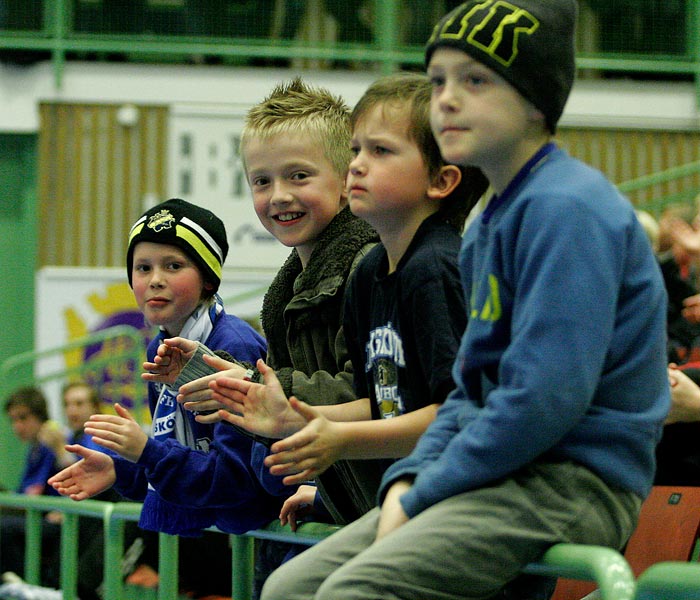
(174, 261)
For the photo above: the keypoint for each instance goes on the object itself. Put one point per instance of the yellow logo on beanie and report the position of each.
(493, 27)
(161, 220)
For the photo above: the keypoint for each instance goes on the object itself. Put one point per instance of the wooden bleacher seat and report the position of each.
(668, 530)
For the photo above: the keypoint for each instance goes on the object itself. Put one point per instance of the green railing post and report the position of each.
(69, 556)
(112, 588)
(115, 516)
(387, 13)
(32, 553)
(168, 550)
(692, 43)
(58, 52)
(242, 567)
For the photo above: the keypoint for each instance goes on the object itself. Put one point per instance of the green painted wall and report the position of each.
(18, 239)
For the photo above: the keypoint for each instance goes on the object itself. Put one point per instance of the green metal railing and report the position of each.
(655, 206)
(114, 517)
(669, 581)
(57, 36)
(19, 369)
(604, 566)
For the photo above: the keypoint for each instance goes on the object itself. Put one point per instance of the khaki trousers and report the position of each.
(466, 547)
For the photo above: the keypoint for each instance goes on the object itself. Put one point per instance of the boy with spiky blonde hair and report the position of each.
(296, 150)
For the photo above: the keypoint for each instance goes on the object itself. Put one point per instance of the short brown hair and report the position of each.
(92, 392)
(412, 92)
(31, 397)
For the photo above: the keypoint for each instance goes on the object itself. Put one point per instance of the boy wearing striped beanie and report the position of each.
(174, 259)
(195, 230)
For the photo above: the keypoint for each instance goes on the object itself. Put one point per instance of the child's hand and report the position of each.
(54, 516)
(262, 409)
(686, 236)
(172, 355)
(297, 506)
(393, 515)
(119, 433)
(198, 396)
(685, 398)
(309, 452)
(35, 489)
(87, 477)
(52, 435)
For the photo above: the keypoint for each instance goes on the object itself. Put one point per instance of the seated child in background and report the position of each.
(561, 379)
(404, 310)
(678, 453)
(189, 475)
(680, 265)
(675, 228)
(29, 416)
(80, 401)
(27, 409)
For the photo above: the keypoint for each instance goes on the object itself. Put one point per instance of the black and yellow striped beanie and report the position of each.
(195, 230)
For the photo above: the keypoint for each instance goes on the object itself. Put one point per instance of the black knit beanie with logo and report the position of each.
(530, 43)
(198, 232)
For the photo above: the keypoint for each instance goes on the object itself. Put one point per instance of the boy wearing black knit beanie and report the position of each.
(561, 385)
(176, 251)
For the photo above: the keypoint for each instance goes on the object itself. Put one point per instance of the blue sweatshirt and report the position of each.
(200, 488)
(564, 354)
(41, 463)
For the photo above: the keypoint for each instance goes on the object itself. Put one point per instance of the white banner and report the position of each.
(205, 168)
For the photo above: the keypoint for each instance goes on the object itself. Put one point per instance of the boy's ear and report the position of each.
(536, 116)
(445, 182)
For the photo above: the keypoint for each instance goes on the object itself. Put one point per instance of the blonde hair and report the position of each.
(296, 107)
(651, 227)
